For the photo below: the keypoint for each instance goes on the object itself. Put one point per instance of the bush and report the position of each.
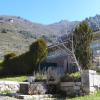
(73, 77)
(40, 77)
(4, 31)
(17, 65)
(27, 62)
(9, 56)
(1, 66)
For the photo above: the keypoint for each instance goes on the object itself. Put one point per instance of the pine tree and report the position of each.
(82, 38)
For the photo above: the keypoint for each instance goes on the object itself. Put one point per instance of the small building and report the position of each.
(59, 62)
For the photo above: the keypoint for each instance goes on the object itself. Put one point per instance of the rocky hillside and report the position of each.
(16, 33)
(94, 22)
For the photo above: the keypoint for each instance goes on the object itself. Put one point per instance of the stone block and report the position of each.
(78, 83)
(67, 84)
(92, 89)
(24, 87)
(37, 88)
(9, 86)
(76, 87)
(31, 79)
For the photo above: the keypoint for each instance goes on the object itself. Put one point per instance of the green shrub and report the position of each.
(40, 77)
(1, 66)
(4, 31)
(9, 56)
(82, 38)
(27, 62)
(73, 77)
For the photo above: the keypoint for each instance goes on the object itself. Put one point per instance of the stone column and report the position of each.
(87, 79)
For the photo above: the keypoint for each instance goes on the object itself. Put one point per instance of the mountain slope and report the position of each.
(16, 33)
(94, 22)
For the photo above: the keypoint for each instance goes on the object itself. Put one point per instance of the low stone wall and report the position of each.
(22, 87)
(71, 87)
(9, 87)
(37, 88)
(90, 83)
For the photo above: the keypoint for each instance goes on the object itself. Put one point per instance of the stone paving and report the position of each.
(8, 98)
(12, 98)
(28, 97)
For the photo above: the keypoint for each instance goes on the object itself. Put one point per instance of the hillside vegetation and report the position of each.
(16, 33)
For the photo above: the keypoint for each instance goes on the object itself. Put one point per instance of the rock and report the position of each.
(37, 88)
(9, 87)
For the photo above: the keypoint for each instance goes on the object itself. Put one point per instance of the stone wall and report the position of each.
(90, 81)
(14, 87)
(22, 87)
(71, 87)
(9, 87)
(37, 88)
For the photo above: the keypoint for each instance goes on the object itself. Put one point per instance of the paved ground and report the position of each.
(12, 98)
(8, 98)
(3, 97)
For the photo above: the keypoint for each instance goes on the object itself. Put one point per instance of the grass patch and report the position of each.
(14, 78)
(1, 61)
(88, 97)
